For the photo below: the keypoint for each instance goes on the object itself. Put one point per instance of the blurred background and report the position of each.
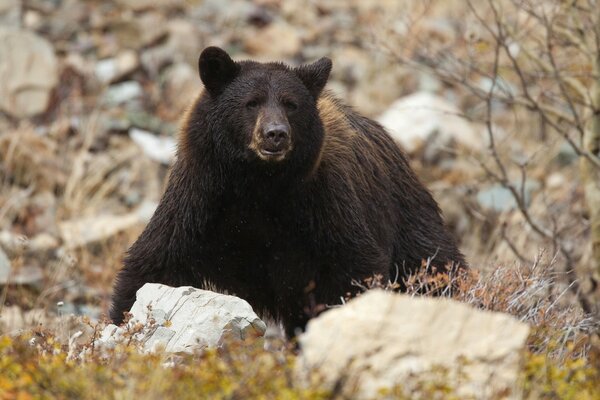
(491, 101)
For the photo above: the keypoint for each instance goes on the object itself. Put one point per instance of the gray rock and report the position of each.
(139, 31)
(383, 339)
(10, 13)
(114, 69)
(82, 231)
(30, 275)
(496, 198)
(5, 267)
(500, 199)
(181, 85)
(42, 243)
(275, 41)
(142, 119)
(498, 86)
(566, 154)
(13, 320)
(13, 244)
(139, 5)
(28, 72)
(123, 92)
(185, 319)
(221, 13)
(184, 43)
(158, 148)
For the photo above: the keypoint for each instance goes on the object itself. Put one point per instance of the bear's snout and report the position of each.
(276, 137)
(272, 139)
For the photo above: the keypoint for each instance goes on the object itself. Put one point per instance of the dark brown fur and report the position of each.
(288, 235)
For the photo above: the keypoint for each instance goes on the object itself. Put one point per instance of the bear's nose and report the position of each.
(276, 135)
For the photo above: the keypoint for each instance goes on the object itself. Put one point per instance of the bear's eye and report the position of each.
(290, 105)
(252, 104)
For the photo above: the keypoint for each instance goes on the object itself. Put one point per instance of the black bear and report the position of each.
(283, 196)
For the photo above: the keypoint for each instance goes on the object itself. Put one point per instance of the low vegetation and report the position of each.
(562, 360)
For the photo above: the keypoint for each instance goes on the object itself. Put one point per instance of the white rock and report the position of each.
(414, 119)
(106, 69)
(380, 339)
(28, 72)
(185, 319)
(123, 92)
(113, 69)
(158, 148)
(10, 13)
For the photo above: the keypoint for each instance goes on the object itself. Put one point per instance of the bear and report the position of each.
(284, 196)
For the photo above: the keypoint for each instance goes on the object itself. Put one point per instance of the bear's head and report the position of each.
(263, 114)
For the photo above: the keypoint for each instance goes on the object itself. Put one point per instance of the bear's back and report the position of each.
(370, 169)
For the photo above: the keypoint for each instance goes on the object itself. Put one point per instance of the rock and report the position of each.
(14, 320)
(42, 213)
(25, 275)
(260, 16)
(80, 232)
(500, 199)
(28, 72)
(566, 155)
(158, 148)
(5, 267)
(496, 198)
(277, 40)
(147, 121)
(11, 319)
(181, 85)
(137, 31)
(32, 20)
(10, 13)
(382, 339)
(351, 64)
(114, 69)
(29, 275)
(499, 87)
(138, 5)
(415, 119)
(123, 92)
(556, 180)
(220, 13)
(185, 319)
(13, 244)
(184, 44)
(42, 243)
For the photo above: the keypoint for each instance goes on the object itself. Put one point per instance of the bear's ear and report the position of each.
(217, 69)
(315, 75)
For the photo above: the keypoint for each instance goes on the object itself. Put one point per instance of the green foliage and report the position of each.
(38, 367)
(575, 378)
(235, 372)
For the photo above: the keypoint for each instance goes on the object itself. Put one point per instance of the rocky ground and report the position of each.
(91, 93)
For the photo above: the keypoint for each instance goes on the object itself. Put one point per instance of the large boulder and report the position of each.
(184, 319)
(384, 340)
(422, 117)
(28, 72)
